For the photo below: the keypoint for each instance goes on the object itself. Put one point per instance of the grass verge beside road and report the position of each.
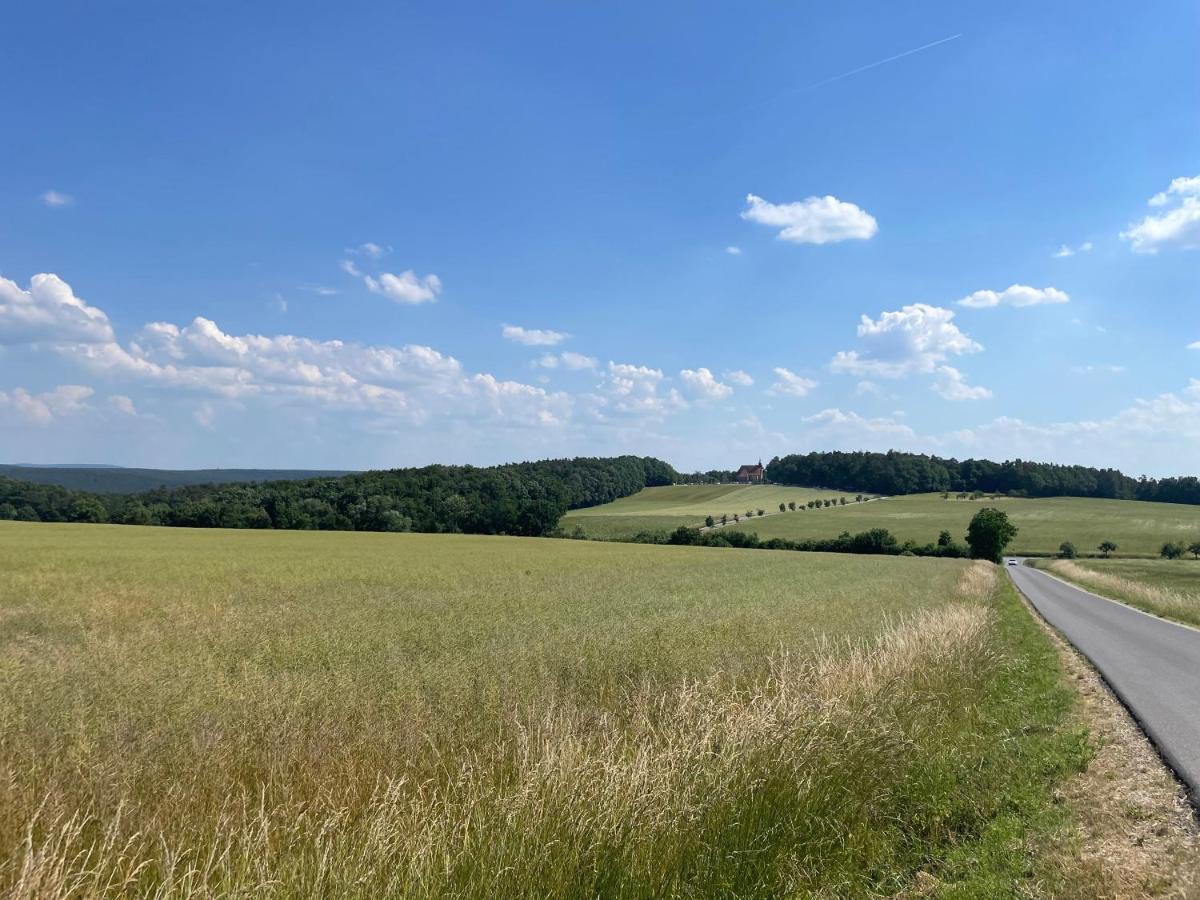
(369, 715)
(1167, 588)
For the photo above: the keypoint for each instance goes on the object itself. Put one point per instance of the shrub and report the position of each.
(1106, 548)
(1066, 550)
(792, 505)
(709, 522)
(1172, 550)
(1194, 549)
(783, 507)
(762, 512)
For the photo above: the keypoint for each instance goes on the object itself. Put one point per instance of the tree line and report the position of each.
(519, 498)
(895, 472)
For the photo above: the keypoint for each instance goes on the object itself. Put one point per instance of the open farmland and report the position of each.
(1138, 527)
(1164, 587)
(228, 713)
(686, 504)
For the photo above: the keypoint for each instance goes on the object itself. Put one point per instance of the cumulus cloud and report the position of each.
(1177, 227)
(575, 362)
(533, 337)
(738, 377)
(412, 382)
(950, 384)
(916, 338)
(633, 390)
(701, 383)
(48, 312)
(816, 220)
(44, 408)
(790, 384)
(1015, 295)
(406, 287)
(53, 198)
(852, 425)
(1194, 345)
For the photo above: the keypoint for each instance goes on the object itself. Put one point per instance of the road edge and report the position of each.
(1165, 757)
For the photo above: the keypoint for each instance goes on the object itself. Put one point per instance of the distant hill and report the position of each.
(118, 480)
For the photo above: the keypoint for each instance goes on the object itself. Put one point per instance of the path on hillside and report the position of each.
(1153, 665)
(776, 512)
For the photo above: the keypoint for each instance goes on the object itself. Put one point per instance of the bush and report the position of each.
(1066, 550)
(1194, 549)
(1172, 550)
(989, 533)
(762, 512)
(1106, 548)
(709, 522)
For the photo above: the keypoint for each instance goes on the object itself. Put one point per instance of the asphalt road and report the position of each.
(1153, 665)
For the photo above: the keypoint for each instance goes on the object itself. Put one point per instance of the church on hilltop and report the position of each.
(751, 474)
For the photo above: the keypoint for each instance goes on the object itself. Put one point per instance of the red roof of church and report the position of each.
(750, 470)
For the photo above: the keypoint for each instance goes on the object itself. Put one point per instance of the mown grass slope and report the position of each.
(243, 713)
(1139, 528)
(1164, 587)
(686, 504)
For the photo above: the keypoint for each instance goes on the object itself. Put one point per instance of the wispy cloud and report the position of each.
(55, 198)
(533, 337)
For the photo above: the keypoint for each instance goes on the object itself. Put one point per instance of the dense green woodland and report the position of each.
(120, 480)
(520, 499)
(911, 473)
(529, 498)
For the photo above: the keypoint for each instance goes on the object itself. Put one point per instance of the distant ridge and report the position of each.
(102, 479)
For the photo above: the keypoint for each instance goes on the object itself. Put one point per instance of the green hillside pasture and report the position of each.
(241, 713)
(1164, 587)
(666, 508)
(1139, 528)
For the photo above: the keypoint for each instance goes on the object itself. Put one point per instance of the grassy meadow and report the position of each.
(231, 713)
(670, 506)
(1164, 587)
(1139, 528)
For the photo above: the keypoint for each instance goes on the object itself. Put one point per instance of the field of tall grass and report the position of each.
(1165, 587)
(220, 714)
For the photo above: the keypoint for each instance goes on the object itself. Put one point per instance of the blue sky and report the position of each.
(366, 235)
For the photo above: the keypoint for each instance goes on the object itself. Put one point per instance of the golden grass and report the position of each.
(1163, 601)
(220, 714)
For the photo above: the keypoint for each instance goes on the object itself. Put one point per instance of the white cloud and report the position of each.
(1104, 369)
(42, 409)
(701, 384)
(853, 425)
(1194, 345)
(950, 384)
(575, 362)
(738, 377)
(49, 311)
(916, 338)
(868, 388)
(1179, 187)
(319, 289)
(790, 384)
(1015, 295)
(370, 250)
(816, 220)
(632, 390)
(533, 337)
(122, 404)
(55, 198)
(733, 251)
(1177, 227)
(406, 287)
(348, 266)
(1065, 250)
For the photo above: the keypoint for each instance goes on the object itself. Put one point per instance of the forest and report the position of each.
(520, 499)
(911, 473)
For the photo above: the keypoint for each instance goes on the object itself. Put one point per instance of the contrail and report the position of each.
(881, 62)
